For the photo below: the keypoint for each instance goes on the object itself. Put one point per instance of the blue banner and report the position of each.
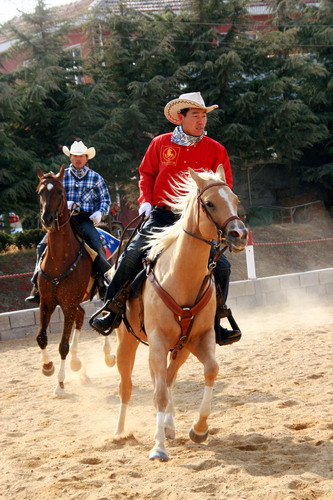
(110, 243)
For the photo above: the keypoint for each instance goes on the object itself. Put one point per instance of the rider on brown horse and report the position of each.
(87, 189)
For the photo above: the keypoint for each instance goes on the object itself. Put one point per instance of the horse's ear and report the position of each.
(220, 172)
(196, 177)
(61, 173)
(40, 173)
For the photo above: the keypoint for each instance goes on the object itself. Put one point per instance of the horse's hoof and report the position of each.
(75, 364)
(60, 389)
(198, 437)
(110, 360)
(158, 454)
(48, 369)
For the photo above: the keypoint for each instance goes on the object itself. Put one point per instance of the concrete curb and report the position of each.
(243, 295)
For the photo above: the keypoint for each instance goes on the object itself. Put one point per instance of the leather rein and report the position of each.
(185, 316)
(56, 281)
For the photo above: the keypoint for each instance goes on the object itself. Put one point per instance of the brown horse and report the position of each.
(178, 302)
(64, 276)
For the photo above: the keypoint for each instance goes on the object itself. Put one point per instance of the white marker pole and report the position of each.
(250, 263)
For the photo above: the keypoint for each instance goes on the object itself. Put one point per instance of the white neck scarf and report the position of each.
(79, 173)
(179, 137)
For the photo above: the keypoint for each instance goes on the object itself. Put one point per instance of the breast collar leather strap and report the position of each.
(184, 315)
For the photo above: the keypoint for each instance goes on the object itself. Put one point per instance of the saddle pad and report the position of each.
(90, 251)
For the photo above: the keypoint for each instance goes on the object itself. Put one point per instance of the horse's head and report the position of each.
(219, 205)
(52, 197)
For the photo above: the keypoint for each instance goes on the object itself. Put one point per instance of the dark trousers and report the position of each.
(91, 236)
(130, 263)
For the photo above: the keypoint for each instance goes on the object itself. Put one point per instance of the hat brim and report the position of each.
(174, 107)
(90, 152)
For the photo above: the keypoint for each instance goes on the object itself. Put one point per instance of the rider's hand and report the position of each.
(70, 205)
(145, 208)
(96, 217)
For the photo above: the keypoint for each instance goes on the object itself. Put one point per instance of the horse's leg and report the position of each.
(69, 317)
(205, 352)
(45, 313)
(73, 348)
(110, 359)
(174, 365)
(126, 350)
(158, 369)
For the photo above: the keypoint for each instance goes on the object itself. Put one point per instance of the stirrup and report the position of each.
(116, 305)
(99, 311)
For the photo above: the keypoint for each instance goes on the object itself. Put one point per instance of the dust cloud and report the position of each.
(271, 426)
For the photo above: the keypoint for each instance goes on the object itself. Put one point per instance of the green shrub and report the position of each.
(5, 241)
(29, 238)
(29, 221)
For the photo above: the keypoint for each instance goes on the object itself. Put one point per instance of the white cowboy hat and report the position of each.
(78, 149)
(191, 100)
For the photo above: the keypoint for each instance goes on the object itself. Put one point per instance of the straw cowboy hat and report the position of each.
(78, 149)
(191, 100)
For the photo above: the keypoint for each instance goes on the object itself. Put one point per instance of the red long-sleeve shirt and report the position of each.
(164, 161)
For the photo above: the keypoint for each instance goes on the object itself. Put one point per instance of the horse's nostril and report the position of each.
(47, 220)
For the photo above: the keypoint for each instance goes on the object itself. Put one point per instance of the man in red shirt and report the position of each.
(168, 157)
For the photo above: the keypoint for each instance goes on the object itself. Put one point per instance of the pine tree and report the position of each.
(315, 39)
(16, 182)
(33, 99)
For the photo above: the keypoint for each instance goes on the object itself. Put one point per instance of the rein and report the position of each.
(140, 219)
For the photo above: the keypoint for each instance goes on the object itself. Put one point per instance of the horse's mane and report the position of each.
(185, 189)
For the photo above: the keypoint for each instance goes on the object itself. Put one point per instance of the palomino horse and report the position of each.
(64, 276)
(179, 302)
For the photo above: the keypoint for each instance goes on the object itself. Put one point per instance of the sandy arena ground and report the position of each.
(271, 427)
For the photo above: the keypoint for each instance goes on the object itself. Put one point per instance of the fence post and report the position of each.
(250, 263)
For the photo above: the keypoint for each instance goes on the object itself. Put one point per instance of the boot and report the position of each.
(103, 266)
(108, 323)
(224, 336)
(34, 296)
(116, 308)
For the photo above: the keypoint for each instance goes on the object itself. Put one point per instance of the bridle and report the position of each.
(220, 229)
(56, 281)
(59, 213)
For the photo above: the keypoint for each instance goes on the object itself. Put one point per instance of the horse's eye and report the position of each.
(209, 204)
